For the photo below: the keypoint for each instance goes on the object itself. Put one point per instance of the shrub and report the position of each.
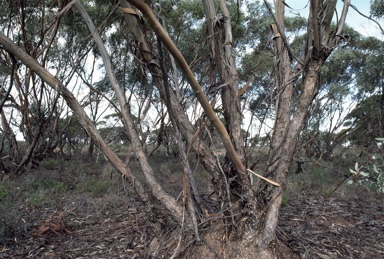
(57, 187)
(97, 187)
(36, 199)
(51, 163)
(371, 175)
(3, 192)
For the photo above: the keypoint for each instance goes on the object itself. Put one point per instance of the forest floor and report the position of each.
(113, 224)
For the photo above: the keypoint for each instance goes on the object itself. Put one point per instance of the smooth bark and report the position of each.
(157, 191)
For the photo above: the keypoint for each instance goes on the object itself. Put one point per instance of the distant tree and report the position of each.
(347, 78)
(366, 122)
(377, 8)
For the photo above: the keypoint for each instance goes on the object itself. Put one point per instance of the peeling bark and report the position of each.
(150, 57)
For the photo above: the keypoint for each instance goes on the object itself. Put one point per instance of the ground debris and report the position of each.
(331, 228)
(54, 224)
(85, 232)
(310, 225)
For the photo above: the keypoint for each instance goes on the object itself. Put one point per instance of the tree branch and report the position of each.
(369, 18)
(152, 20)
(282, 34)
(315, 24)
(71, 101)
(13, 71)
(168, 201)
(343, 17)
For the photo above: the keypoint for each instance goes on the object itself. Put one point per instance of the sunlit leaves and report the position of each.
(371, 175)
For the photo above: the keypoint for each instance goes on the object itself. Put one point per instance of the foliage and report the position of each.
(366, 119)
(51, 163)
(377, 8)
(96, 187)
(370, 174)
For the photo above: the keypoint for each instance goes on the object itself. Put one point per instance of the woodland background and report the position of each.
(161, 116)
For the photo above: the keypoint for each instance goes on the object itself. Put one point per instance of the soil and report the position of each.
(118, 226)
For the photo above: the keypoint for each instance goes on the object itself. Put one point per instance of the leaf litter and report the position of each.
(87, 227)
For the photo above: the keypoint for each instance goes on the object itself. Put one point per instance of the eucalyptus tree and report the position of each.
(377, 8)
(354, 73)
(27, 97)
(365, 122)
(32, 109)
(321, 40)
(343, 85)
(212, 82)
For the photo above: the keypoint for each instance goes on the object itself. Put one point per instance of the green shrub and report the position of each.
(327, 191)
(36, 199)
(31, 182)
(319, 177)
(99, 188)
(57, 187)
(51, 163)
(96, 187)
(371, 175)
(4, 191)
(285, 198)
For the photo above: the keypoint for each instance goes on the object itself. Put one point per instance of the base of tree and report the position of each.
(217, 242)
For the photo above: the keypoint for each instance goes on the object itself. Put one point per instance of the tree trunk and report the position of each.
(287, 125)
(150, 58)
(157, 191)
(12, 142)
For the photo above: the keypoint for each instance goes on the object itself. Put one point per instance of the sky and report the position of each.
(355, 20)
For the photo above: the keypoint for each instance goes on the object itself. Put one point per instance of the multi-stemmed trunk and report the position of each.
(255, 210)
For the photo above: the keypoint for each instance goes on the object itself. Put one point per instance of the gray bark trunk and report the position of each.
(320, 43)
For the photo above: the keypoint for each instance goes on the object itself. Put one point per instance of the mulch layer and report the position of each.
(316, 227)
(84, 227)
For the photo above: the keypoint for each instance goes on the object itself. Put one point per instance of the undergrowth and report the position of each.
(57, 178)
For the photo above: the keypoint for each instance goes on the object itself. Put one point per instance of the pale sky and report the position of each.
(355, 20)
